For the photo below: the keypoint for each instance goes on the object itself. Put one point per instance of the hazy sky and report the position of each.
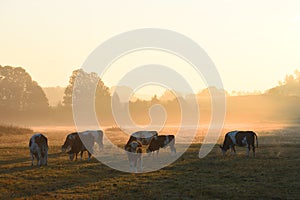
(252, 43)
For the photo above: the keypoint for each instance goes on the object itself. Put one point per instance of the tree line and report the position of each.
(23, 100)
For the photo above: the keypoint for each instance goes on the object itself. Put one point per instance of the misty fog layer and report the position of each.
(22, 100)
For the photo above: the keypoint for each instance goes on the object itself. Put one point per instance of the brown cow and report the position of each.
(162, 141)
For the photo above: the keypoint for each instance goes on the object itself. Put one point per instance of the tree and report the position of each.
(85, 84)
(18, 92)
(289, 87)
(89, 90)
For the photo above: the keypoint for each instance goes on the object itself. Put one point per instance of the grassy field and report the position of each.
(272, 174)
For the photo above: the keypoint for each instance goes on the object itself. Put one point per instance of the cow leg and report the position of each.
(253, 149)
(46, 158)
(135, 163)
(131, 166)
(89, 156)
(37, 161)
(173, 150)
(139, 163)
(81, 154)
(39, 158)
(248, 150)
(76, 156)
(101, 146)
(131, 158)
(233, 152)
(32, 158)
(155, 154)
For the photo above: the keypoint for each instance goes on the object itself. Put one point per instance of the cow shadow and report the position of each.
(82, 173)
(25, 163)
(25, 159)
(14, 161)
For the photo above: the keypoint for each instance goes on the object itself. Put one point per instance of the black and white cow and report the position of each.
(38, 146)
(239, 138)
(142, 136)
(134, 146)
(162, 141)
(74, 145)
(134, 154)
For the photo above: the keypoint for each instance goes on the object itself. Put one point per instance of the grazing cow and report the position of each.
(134, 145)
(74, 145)
(134, 154)
(38, 146)
(239, 138)
(162, 141)
(142, 136)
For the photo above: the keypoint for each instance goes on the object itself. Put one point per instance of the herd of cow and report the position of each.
(73, 145)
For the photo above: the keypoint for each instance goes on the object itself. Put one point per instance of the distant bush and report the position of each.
(113, 128)
(10, 129)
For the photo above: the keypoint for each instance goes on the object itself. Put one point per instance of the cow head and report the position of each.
(134, 153)
(223, 149)
(65, 147)
(68, 143)
(71, 156)
(133, 147)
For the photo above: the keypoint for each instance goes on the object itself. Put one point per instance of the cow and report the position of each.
(162, 141)
(239, 138)
(38, 146)
(142, 136)
(97, 137)
(74, 145)
(134, 154)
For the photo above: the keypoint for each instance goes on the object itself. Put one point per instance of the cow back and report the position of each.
(161, 141)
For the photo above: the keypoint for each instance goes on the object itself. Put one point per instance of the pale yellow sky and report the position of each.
(252, 43)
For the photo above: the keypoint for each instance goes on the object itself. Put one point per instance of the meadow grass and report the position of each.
(272, 174)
